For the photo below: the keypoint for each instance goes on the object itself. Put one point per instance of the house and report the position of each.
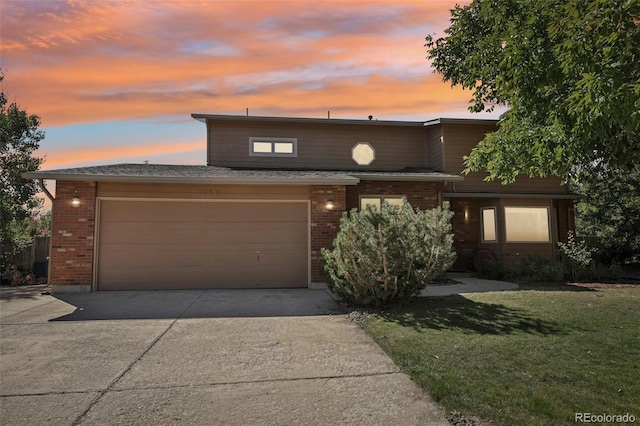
(271, 196)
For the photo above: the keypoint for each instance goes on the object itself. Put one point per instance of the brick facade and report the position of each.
(325, 224)
(71, 259)
(466, 226)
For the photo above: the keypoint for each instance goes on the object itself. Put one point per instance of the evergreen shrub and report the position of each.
(388, 255)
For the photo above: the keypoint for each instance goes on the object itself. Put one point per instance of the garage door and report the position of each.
(194, 245)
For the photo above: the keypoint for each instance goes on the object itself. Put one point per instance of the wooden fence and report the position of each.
(33, 258)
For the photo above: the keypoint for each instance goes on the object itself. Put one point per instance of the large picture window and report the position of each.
(527, 224)
(489, 225)
(376, 200)
(273, 147)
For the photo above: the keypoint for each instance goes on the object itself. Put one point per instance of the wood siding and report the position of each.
(434, 149)
(319, 146)
(460, 139)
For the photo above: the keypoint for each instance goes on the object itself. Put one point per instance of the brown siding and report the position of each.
(319, 145)
(434, 149)
(460, 139)
(181, 191)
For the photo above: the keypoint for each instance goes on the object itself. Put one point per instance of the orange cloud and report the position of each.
(78, 62)
(67, 157)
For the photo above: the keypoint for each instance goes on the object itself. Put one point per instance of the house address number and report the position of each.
(209, 192)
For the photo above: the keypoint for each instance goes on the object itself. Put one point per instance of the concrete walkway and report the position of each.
(468, 284)
(198, 358)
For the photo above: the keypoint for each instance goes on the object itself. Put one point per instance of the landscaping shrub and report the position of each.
(535, 269)
(379, 257)
(578, 257)
(487, 265)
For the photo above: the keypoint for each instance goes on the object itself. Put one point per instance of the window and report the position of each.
(489, 234)
(273, 147)
(527, 224)
(376, 200)
(363, 154)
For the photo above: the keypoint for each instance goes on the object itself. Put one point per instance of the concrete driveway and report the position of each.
(196, 357)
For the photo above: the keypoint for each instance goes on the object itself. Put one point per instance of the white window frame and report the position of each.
(495, 224)
(381, 198)
(273, 141)
(506, 228)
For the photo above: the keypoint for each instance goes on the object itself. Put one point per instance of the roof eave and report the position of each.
(204, 117)
(411, 178)
(483, 121)
(194, 180)
(555, 195)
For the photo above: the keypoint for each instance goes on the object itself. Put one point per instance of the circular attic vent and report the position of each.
(363, 153)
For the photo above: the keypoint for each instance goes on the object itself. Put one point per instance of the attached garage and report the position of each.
(147, 244)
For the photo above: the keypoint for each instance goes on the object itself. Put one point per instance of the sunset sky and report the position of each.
(116, 81)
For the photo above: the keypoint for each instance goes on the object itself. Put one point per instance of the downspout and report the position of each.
(46, 191)
(50, 197)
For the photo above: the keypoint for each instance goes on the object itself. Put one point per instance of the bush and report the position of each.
(578, 257)
(535, 269)
(380, 257)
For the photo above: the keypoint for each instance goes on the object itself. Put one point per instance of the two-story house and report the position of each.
(271, 196)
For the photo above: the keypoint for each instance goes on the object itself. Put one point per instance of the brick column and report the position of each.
(325, 224)
(71, 258)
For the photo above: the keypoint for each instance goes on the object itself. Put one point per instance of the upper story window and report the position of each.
(363, 154)
(273, 147)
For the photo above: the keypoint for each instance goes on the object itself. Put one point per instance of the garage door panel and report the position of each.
(119, 255)
(251, 233)
(263, 212)
(160, 232)
(151, 211)
(180, 245)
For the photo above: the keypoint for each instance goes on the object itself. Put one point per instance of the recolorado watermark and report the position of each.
(603, 418)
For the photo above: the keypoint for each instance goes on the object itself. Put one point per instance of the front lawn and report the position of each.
(533, 356)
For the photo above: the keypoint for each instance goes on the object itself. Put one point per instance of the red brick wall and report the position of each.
(71, 259)
(423, 195)
(465, 230)
(324, 224)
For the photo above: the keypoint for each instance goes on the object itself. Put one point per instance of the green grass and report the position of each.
(526, 357)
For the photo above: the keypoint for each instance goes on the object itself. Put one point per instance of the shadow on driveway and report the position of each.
(168, 304)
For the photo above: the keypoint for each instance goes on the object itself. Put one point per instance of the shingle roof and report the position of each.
(212, 174)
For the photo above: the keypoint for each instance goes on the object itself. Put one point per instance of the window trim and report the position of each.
(495, 225)
(273, 142)
(380, 197)
(549, 233)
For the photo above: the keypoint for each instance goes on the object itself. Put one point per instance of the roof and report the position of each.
(166, 173)
(204, 117)
(487, 122)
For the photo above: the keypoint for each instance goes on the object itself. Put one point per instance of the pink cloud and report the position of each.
(77, 62)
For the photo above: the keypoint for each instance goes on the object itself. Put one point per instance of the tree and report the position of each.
(609, 215)
(19, 138)
(568, 71)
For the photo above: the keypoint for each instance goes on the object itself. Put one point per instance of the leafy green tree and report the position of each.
(19, 139)
(380, 257)
(608, 216)
(568, 71)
